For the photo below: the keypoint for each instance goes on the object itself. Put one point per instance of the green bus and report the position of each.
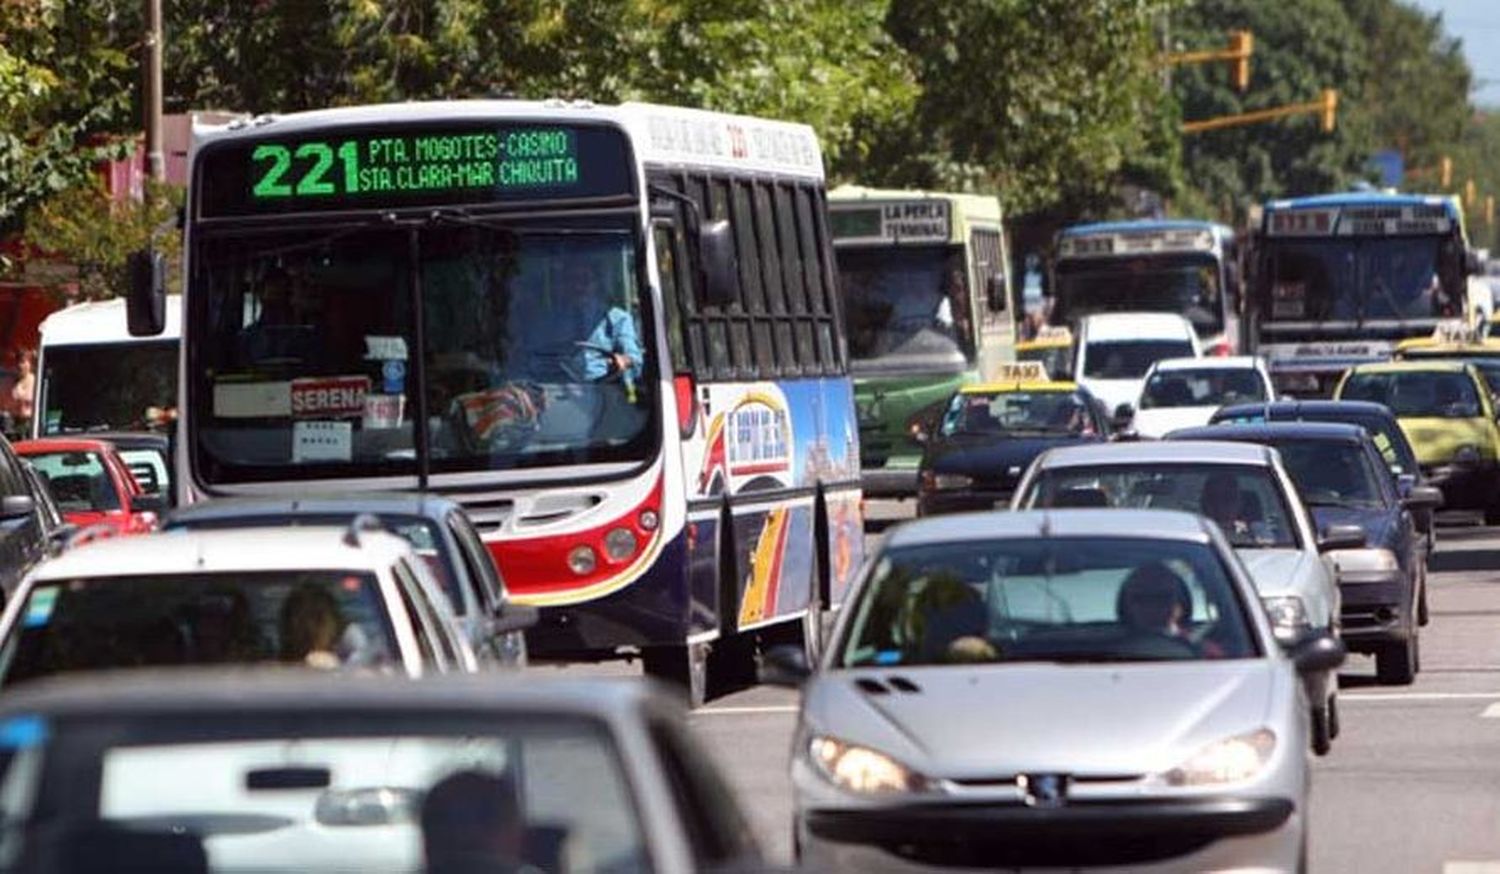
(927, 301)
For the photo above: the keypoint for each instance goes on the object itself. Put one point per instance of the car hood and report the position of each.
(1160, 421)
(996, 721)
(1379, 524)
(1277, 571)
(995, 457)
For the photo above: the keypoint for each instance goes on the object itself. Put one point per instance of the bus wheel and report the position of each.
(684, 667)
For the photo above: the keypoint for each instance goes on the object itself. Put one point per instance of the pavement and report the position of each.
(1412, 783)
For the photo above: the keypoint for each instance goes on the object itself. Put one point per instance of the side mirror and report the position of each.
(1423, 498)
(1405, 482)
(146, 300)
(785, 665)
(16, 506)
(1124, 415)
(997, 293)
(511, 617)
(1316, 652)
(1341, 537)
(716, 255)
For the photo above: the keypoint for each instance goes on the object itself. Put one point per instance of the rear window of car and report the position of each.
(1129, 359)
(327, 619)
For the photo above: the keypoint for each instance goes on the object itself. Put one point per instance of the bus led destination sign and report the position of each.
(396, 166)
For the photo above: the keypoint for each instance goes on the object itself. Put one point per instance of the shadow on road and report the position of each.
(1463, 560)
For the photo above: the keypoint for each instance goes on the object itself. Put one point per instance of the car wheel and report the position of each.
(1322, 739)
(1423, 617)
(1396, 663)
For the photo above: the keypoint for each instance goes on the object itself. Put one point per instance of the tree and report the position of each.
(95, 234)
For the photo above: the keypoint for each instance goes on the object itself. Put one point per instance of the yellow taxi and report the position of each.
(1447, 412)
(1053, 348)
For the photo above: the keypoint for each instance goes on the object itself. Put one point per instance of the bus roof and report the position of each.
(1363, 214)
(974, 206)
(663, 135)
(1365, 198)
(1142, 237)
(1145, 225)
(103, 321)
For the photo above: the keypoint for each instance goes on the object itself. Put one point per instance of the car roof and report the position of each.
(250, 509)
(1430, 365)
(1151, 524)
(1225, 362)
(1353, 409)
(215, 691)
(61, 444)
(1135, 326)
(1257, 431)
(323, 547)
(988, 388)
(132, 439)
(1157, 452)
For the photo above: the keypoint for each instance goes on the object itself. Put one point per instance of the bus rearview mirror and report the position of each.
(146, 299)
(716, 248)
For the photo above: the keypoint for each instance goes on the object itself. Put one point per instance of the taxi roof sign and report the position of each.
(1022, 371)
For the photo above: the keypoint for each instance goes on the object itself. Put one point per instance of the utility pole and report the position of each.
(156, 166)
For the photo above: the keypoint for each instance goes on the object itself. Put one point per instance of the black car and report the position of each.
(29, 520)
(438, 529)
(989, 434)
(149, 457)
(1378, 419)
(1343, 481)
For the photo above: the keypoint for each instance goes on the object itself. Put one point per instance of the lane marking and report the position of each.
(1419, 696)
(1471, 868)
(1491, 712)
(764, 708)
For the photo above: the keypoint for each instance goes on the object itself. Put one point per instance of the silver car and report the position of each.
(1247, 491)
(1070, 688)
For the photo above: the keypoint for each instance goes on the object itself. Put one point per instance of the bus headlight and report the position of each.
(581, 559)
(619, 544)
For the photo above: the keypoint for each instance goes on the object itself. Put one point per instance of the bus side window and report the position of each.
(989, 264)
(668, 266)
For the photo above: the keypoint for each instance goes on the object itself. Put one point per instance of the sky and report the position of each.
(1477, 23)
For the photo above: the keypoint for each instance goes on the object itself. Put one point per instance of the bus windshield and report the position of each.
(1187, 284)
(74, 397)
(1344, 280)
(906, 307)
(534, 352)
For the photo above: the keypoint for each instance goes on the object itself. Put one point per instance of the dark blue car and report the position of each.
(1378, 419)
(1343, 480)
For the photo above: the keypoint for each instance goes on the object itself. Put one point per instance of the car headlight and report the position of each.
(1288, 614)
(1466, 454)
(1366, 560)
(1227, 761)
(863, 770)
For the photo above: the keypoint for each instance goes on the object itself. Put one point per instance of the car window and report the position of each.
(381, 792)
(12, 480)
(78, 480)
(149, 468)
(1202, 387)
(478, 559)
(1332, 473)
(1130, 359)
(1448, 394)
(1084, 599)
(438, 621)
(422, 627)
(326, 619)
(1245, 501)
(1048, 412)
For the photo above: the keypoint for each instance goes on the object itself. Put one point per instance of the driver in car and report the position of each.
(1222, 502)
(1154, 599)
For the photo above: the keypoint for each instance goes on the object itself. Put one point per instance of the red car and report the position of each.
(91, 483)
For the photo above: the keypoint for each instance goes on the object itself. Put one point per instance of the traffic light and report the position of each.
(1241, 45)
(1445, 172)
(1329, 113)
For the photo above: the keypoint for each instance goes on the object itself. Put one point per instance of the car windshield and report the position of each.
(1129, 359)
(1202, 387)
(1416, 393)
(1330, 473)
(74, 396)
(1057, 360)
(906, 307)
(79, 481)
(1245, 501)
(314, 792)
(1344, 280)
(1079, 599)
(1169, 284)
(535, 350)
(1018, 412)
(318, 618)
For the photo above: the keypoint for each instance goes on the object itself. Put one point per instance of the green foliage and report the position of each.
(96, 234)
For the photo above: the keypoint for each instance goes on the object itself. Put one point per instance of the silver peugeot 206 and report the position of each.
(1073, 688)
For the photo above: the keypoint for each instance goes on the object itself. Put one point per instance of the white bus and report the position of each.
(610, 332)
(92, 375)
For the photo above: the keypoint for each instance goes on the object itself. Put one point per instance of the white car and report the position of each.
(1186, 392)
(320, 597)
(1116, 349)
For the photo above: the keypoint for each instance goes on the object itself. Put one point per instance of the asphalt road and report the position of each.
(1412, 784)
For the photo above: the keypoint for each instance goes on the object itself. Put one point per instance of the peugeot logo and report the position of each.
(1043, 790)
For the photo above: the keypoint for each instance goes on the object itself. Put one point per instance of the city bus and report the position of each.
(610, 332)
(1175, 266)
(926, 296)
(92, 375)
(1341, 279)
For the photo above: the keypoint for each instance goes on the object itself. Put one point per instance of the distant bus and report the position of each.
(610, 332)
(1173, 266)
(1341, 279)
(92, 375)
(926, 292)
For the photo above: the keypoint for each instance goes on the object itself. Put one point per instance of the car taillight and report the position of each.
(687, 404)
